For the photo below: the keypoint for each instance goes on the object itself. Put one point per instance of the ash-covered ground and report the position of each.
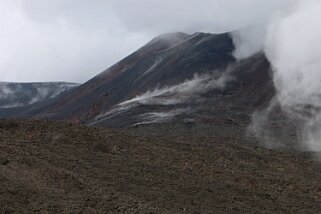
(213, 167)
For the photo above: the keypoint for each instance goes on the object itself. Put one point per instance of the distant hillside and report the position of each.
(23, 94)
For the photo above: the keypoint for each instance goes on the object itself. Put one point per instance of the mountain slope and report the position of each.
(235, 92)
(163, 61)
(176, 77)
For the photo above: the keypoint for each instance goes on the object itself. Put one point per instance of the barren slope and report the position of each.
(210, 168)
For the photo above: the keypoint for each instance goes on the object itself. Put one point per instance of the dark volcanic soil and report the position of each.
(51, 167)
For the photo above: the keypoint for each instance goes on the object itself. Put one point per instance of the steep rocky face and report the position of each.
(174, 77)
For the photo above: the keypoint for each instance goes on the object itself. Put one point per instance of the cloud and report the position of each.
(44, 41)
(194, 15)
(73, 40)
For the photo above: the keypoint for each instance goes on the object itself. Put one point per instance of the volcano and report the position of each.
(168, 134)
(175, 76)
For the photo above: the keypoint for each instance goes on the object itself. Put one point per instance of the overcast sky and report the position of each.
(73, 40)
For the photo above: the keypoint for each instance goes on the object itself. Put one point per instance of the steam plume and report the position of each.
(187, 91)
(292, 44)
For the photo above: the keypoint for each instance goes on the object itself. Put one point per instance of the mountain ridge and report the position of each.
(168, 61)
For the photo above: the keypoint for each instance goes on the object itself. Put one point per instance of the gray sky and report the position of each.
(73, 40)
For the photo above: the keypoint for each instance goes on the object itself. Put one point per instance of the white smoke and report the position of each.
(263, 127)
(188, 91)
(181, 93)
(249, 41)
(249, 38)
(161, 117)
(151, 68)
(293, 46)
(7, 92)
(292, 43)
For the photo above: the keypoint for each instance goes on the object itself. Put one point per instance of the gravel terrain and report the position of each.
(55, 167)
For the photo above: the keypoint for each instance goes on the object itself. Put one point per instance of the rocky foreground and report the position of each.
(54, 167)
